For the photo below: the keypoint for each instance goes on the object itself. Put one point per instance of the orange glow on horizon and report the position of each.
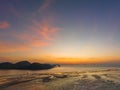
(62, 60)
(82, 60)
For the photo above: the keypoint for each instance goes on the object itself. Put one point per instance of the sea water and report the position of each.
(62, 68)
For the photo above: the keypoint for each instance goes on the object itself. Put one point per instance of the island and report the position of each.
(25, 65)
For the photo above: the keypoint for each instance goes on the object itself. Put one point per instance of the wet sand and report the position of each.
(108, 79)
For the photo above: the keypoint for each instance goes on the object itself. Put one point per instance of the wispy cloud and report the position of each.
(40, 33)
(44, 29)
(37, 43)
(4, 25)
(37, 34)
(46, 4)
(12, 47)
(14, 12)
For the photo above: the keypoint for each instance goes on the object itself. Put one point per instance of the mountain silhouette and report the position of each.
(25, 65)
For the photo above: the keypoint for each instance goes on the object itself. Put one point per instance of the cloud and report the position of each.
(15, 12)
(4, 25)
(45, 30)
(46, 4)
(37, 33)
(22, 44)
(40, 33)
(12, 47)
(37, 43)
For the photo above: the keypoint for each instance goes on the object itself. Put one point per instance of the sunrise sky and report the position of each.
(60, 31)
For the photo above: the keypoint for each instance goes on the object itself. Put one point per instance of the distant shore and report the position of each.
(25, 65)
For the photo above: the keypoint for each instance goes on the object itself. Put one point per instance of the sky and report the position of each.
(60, 31)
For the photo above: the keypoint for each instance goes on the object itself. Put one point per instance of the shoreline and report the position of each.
(108, 79)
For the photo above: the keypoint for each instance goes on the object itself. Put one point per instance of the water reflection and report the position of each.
(64, 68)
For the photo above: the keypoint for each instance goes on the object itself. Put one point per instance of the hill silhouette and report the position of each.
(25, 65)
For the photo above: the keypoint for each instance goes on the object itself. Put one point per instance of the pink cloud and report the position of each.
(12, 47)
(45, 30)
(37, 43)
(4, 25)
(39, 34)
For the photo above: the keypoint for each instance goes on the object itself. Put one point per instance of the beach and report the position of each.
(104, 79)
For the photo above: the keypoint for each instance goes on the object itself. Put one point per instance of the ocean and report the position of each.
(62, 68)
